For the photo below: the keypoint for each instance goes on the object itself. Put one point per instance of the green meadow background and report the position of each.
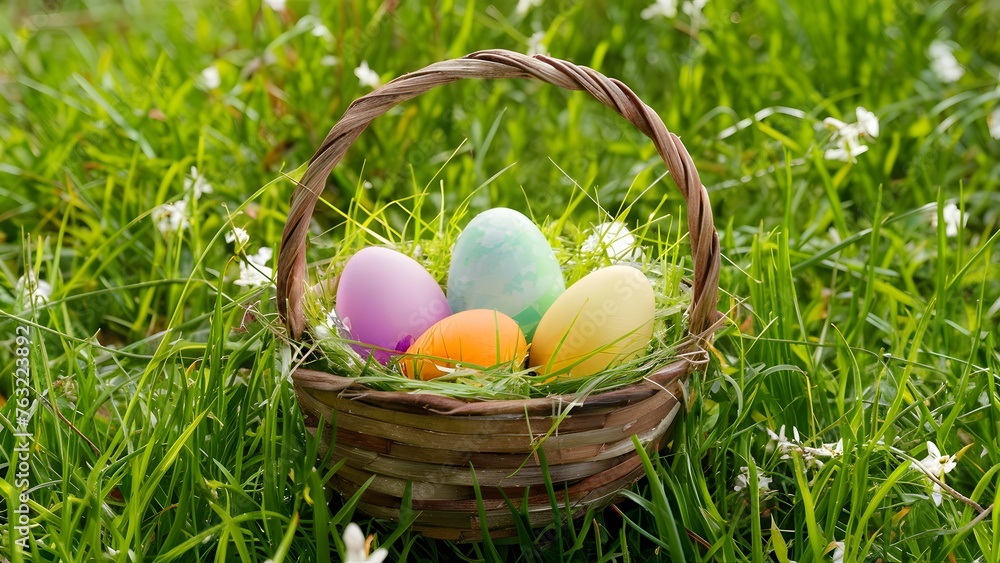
(862, 298)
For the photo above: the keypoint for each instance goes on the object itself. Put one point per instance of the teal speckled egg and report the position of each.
(502, 261)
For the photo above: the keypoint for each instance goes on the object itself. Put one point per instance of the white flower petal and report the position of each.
(834, 124)
(535, 44)
(846, 139)
(943, 62)
(354, 538)
(210, 77)
(253, 276)
(33, 290)
(616, 241)
(367, 76)
(524, 5)
(932, 449)
(197, 184)
(255, 271)
(779, 436)
(993, 121)
(239, 236)
(356, 544)
(171, 217)
(660, 8)
(693, 8)
(276, 5)
(953, 220)
(782, 443)
(321, 31)
(836, 449)
(936, 495)
(845, 153)
(868, 121)
(763, 482)
(262, 257)
(742, 479)
(838, 552)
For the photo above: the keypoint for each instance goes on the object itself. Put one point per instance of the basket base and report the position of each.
(468, 474)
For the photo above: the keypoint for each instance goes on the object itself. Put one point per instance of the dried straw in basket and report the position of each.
(450, 451)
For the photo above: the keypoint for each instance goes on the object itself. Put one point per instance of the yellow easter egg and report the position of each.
(603, 320)
(478, 338)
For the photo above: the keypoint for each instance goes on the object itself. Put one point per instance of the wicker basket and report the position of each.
(434, 442)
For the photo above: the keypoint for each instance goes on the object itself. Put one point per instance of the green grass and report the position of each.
(164, 426)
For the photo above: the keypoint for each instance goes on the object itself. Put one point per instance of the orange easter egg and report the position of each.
(478, 338)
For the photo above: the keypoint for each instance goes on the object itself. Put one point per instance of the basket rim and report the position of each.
(308, 380)
(291, 276)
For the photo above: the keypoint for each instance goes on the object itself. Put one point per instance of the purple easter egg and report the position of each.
(387, 300)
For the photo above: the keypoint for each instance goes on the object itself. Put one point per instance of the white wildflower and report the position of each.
(943, 62)
(993, 121)
(239, 236)
(113, 553)
(330, 326)
(953, 219)
(936, 495)
(276, 5)
(660, 8)
(210, 78)
(867, 121)
(171, 217)
(693, 8)
(743, 480)
(536, 45)
(32, 290)
(783, 444)
(937, 465)
(812, 456)
(838, 552)
(836, 449)
(847, 137)
(255, 271)
(763, 482)
(984, 399)
(262, 257)
(615, 240)
(524, 5)
(357, 547)
(834, 124)
(846, 152)
(329, 60)
(321, 30)
(197, 184)
(367, 76)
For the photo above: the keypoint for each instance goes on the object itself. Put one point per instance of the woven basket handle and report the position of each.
(291, 282)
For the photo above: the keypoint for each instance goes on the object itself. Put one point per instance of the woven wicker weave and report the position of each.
(436, 442)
